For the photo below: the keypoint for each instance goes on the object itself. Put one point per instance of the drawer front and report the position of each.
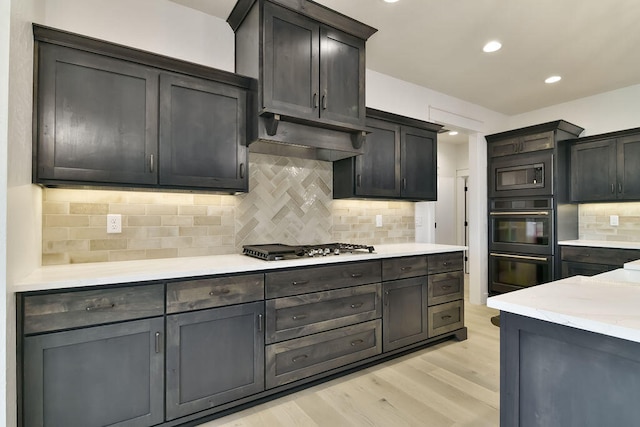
(296, 316)
(445, 287)
(401, 268)
(441, 263)
(43, 313)
(315, 279)
(292, 360)
(445, 318)
(214, 292)
(592, 255)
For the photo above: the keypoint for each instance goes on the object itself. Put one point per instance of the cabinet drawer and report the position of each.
(441, 263)
(214, 292)
(52, 312)
(296, 316)
(400, 268)
(445, 318)
(292, 360)
(445, 287)
(591, 255)
(315, 279)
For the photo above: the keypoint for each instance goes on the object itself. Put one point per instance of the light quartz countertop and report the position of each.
(608, 307)
(106, 273)
(601, 244)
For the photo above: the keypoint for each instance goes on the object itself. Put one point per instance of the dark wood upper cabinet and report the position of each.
(93, 119)
(399, 162)
(606, 167)
(202, 134)
(309, 61)
(111, 116)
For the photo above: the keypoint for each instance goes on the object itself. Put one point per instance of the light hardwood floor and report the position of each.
(450, 384)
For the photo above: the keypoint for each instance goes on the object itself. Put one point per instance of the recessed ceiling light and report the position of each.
(390, 1)
(553, 79)
(492, 46)
(453, 133)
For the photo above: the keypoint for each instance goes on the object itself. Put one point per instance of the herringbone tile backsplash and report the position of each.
(289, 201)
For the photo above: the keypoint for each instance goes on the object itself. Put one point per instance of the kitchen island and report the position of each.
(570, 352)
(173, 341)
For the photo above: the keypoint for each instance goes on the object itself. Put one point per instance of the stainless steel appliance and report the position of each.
(521, 175)
(522, 226)
(510, 271)
(278, 251)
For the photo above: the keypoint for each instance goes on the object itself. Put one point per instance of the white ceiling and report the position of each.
(593, 44)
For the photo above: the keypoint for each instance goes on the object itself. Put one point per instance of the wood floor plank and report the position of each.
(449, 384)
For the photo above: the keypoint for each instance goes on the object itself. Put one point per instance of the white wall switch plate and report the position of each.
(378, 220)
(613, 220)
(114, 223)
(418, 221)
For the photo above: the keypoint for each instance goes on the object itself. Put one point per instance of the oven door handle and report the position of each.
(531, 258)
(540, 213)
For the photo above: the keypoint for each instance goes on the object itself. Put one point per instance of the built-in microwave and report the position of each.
(521, 175)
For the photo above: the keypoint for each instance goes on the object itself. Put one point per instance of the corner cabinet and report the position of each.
(399, 162)
(111, 116)
(606, 167)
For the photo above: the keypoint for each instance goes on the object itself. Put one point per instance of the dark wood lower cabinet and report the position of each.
(97, 376)
(213, 357)
(404, 312)
(556, 375)
(589, 260)
(182, 351)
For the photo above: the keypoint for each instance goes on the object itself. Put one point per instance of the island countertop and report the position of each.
(593, 304)
(106, 273)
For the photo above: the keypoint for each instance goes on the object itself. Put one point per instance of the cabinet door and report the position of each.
(378, 169)
(418, 155)
(342, 69)
(290, 73)
(213, 357)
(404, 313)
(202, 134)
(593, 171)
(106, 375)
(629, 167)
(97, 118)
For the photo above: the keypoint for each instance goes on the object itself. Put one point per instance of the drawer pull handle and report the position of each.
(356, 275)
(101, 307)
(356, 305)
(406, 268)
(299, 358)
(218, 292)
(299, 282)
(299, 317)
(157, 342)
(445, 287)
(445, 263)
(445, 317)
(260, 322)
(356, 342)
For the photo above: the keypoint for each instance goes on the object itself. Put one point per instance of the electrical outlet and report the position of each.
(114, 223)
(613, 220)
(418, 221)
(378, 220)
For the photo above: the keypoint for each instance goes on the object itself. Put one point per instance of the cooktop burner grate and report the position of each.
(277, 251)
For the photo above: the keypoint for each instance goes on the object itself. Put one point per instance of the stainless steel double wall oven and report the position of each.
(529, 209)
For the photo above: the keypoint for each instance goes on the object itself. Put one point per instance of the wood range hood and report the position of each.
(309, 62)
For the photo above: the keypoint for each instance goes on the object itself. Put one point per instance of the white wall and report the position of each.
(605, 112)
(5, 20)
(161, 27)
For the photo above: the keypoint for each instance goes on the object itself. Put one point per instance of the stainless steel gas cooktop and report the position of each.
(277, 251)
